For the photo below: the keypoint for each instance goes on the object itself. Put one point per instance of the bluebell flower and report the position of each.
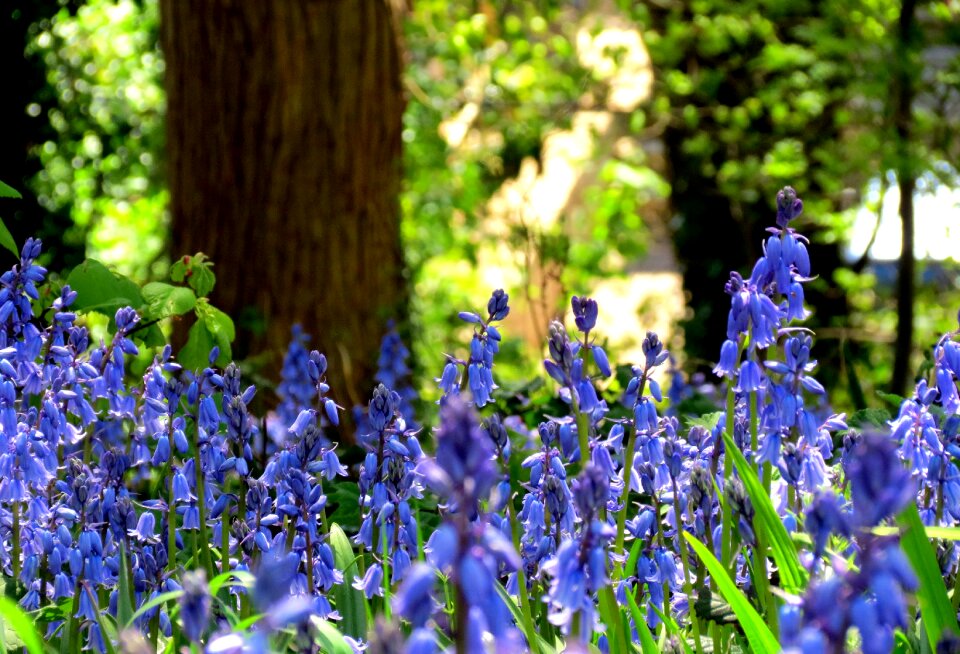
(789, 206)
(194, 604)
(879, 485)
(585, 313)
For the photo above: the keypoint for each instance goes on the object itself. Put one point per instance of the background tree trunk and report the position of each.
(903, 96)
(283, 131)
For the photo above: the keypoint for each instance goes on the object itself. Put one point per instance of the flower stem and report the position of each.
(622, 513)
(522, 580)
(16, 548)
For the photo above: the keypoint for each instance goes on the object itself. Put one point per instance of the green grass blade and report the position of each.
(240, 578)
(330, 640)
(21, 624)
(936, 533)
(761, 639)
(108, 631)
(350, 602)
(635, 550)
(124, 591)
(793, 578)
(936, 612)
(647, 643)
(545, 647)
(162, 598)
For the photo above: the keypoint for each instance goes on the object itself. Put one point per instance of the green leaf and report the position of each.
(936, 612)
(220, 326)
(231, 578)
(708, 421)
(165, 300)
(758, 634)
(634, 556)
(647, 643)
(6, 239)
(869, 417)
(542, 644)
(162, 598)
(20, 623)
(195, 354)
(7, 191)
(610, 616)
(793, 577)
(109, 630)
(202, 280)
(330, 640)
(350, 602)
(937, 533)
(124, 591)
(102, 290)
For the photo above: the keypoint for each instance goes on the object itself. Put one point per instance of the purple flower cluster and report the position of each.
(483, 346)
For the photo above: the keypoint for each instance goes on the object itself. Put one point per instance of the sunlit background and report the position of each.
(554, 148)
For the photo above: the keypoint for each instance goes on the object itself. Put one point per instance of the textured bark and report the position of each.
(284, 122)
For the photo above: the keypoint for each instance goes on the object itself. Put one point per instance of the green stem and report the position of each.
(760, 554)
(955, 600)
(684, 559)
(171, 532)
(225, 541)
(202, 507)
(622, 513)
(522, 580)
(726, 547)
(16, 549)
(583, 434)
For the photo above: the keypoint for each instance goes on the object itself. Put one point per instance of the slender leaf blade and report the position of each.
(329, 639)
(350, 602)
(647, 643)
(7, 191)
(162, 598)
(936, 611)
(793, 577)
(761, 639)
(545, 647)
(124, 591)
(21, 624)
(7, 240)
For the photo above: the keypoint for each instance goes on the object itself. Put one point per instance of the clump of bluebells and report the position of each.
(156, 511)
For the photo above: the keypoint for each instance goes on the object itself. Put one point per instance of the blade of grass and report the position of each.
(761, 639)
(937, 614)
(793, 577)
(231, 578)
(162, 598)
(544, 646)
(21, 624)
(329, 639)
(647, 644)
(124, 590)
(350, 602)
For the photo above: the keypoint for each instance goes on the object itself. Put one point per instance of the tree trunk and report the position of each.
(283, 129)
(903, 94)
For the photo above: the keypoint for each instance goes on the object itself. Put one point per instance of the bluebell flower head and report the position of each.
(497, 307)
(880, 486)
(653, 351)
(464, 463)
(789, 206)
(590, 491)
(585, 312)
(413, 600)
(194, 604)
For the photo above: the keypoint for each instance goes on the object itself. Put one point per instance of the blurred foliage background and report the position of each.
(555, 148)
